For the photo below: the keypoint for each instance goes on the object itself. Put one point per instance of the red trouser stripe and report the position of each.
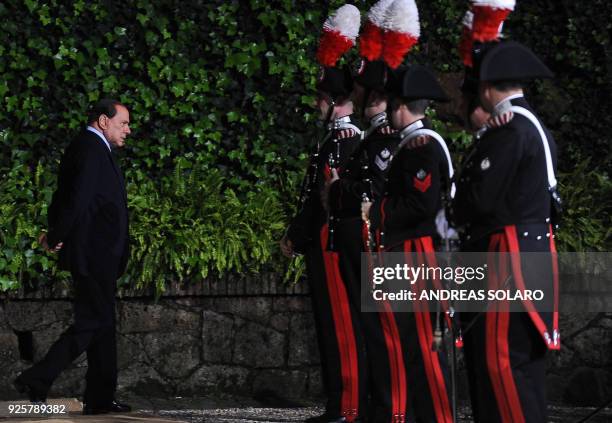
(491, 333)
(384, 321)
(498, 351)
(344, 331)
(505, 366)
(397, 368)
(515, 258)
(430, 255)
(555, 268)
(431, 361)
(399, 391)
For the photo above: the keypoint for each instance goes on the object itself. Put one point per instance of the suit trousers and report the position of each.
(93, 332)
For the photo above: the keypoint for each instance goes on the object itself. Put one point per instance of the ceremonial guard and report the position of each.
(506, 202)
(390, 31)
(402, 218)
(475, 119)
(312, 230)
(361, 181)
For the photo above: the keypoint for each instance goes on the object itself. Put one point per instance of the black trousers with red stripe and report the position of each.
(372, 372)
(406, 378)
(505, 352)
(339, 336)
(506, 362)
(426, 369)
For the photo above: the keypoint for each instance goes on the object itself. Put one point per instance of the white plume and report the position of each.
(495, 4)
(377, 13)
(468, 19)
(346, 21)
(403, 16)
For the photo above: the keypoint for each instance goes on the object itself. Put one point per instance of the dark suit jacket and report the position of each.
(88, 212)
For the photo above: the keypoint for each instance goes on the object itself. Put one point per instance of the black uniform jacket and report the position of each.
(505, 181)
(412, 196)
(311, 215)
(88, 212)
(365, 173)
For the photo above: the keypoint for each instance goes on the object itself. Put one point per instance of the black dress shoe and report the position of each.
(113, 407)
(36, 392)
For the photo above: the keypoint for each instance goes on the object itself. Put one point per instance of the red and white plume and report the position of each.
(371, 38)
(466, 43)
(488, 17)
(340, 31)
(402, 31)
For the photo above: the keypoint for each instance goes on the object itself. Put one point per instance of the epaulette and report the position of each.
(386, 130)
(345, 133)
(495, 121)
(417, 142)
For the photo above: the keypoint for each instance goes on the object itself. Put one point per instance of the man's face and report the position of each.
(479, 117)
(377, 103)
(394, 113)
(117, 128)
(486, 96)
(473, 117)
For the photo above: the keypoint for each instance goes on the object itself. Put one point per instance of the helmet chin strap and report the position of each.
(332, 105)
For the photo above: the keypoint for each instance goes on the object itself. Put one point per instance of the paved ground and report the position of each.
(225, 410)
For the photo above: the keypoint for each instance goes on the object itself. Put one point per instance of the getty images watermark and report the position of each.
(477, 282)
(443, 291)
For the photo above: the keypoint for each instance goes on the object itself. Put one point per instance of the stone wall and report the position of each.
(252, 338)
(248, 338)
(581, 373)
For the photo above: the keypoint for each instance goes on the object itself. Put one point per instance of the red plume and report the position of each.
(402, 31)
(466, 43)
(487, 22)
(465, 47)
(370, 41)
(331, 46)
(488, 17)
(340, 31)
(397, 44)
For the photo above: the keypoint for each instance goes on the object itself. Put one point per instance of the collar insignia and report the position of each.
(485, 163)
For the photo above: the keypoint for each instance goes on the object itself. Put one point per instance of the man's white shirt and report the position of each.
(101, 135)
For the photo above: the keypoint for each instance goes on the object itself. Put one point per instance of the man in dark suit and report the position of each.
(88, 226)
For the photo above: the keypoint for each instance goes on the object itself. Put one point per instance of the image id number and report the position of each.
(37, 409)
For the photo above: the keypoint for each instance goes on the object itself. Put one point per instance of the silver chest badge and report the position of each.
(421, 174)
(382, 159)
(485, 163)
